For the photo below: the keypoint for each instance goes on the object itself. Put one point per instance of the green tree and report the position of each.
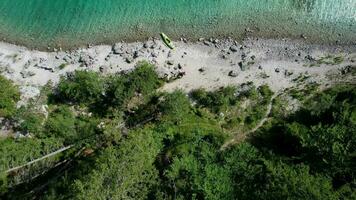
(123, 172)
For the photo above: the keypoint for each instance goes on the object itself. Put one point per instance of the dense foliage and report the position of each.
(9, 95)
(133, 142)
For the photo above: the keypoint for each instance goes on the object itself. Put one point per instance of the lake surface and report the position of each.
(71, 23)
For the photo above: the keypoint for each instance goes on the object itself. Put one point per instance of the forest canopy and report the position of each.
(128, 140)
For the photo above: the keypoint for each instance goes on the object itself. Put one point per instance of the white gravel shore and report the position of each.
(206, 63)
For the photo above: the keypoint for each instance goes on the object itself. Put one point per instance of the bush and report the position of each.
(121, 89)
(61, 124)
(81, 87)
(216, 101)
(175, 106)
(30, 120)
(9, 95)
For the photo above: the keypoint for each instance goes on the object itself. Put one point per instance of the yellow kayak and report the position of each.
(167, 41)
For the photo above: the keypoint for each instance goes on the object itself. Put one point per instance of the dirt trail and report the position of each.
(241, 137)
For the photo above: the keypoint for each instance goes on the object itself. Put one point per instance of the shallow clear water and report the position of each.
(69, 23)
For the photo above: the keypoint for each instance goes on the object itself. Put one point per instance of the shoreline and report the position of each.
(240, 38)
(207, 63)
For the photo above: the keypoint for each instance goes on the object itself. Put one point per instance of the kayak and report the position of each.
(167, 41)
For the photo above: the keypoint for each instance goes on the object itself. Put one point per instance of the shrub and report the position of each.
(216, 101)
(175, 105)
(9, 95)
(143, 80)
(31, 121)
(81, 87)
(61, 124)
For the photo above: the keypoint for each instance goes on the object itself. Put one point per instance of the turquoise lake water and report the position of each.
(69, 23)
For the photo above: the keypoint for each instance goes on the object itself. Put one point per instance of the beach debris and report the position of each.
(277, 70)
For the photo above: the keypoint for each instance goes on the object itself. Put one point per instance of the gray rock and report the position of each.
(26, 74)
(103, 69)
(180, 66)
(154, 54)
(207, 43)
(203, 69)
(224, 56)
(117, 48)
(242, 66)
(347, 69)
(234, 48)
(9, 70)
(86, 59)
(2, 69)
(310, 58)
(243, 56)
(145, 45)
(129, 60)
(154, 45)
(233, 73)
(288, 73)
(170, 62)
(44, 67)
(136, 54)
